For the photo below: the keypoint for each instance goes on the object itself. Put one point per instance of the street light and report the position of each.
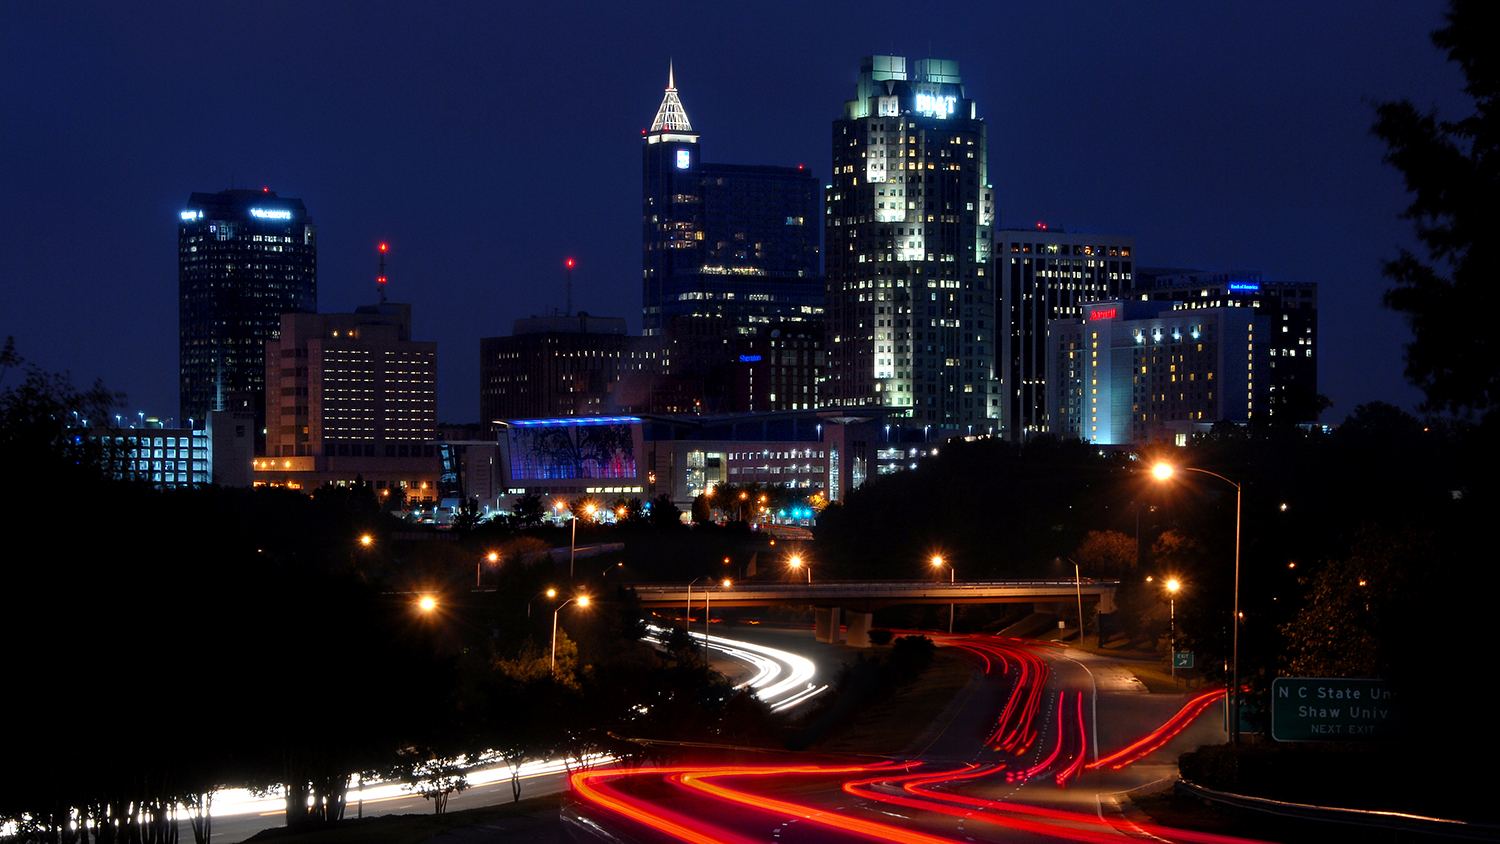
(1078, 590)
(1172, 587)
(796, 563)
(493, 557)
(427, 603)
(937, 563)
(583, 601)
(573, 549)
(551, 593)
(1163, 471)
(706, 611)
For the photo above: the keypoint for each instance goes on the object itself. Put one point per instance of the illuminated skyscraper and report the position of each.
(724, 240)
(911, 289)
(244, 258)
(728, 250)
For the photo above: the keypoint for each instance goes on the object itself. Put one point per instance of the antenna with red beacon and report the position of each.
(380, 279)
(569, 264)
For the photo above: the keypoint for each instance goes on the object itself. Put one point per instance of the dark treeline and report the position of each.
(159, 646)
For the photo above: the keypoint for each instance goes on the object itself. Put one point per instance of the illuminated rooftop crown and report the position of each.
(671, 117)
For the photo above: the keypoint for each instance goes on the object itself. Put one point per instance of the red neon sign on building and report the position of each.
(1102, 313)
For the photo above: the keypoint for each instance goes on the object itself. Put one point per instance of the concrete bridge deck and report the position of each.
(870, 595)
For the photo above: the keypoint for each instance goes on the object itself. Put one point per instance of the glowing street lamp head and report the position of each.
(583, 600)
(366, 540)
(1162, 471)
(937, 561)
(1173, 585)
(795, 562)
(552, 593)
(493, 557)
(427, 603)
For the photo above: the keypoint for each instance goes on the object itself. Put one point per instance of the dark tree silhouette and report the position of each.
(1450, 168)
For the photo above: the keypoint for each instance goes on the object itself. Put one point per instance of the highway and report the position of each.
(1038, 748)
(782, 678)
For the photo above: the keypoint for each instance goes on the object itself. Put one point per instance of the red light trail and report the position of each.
(661, 799)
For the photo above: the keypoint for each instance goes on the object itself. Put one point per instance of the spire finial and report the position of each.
(671, 117)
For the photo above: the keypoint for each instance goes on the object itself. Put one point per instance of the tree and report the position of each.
(1176, 553)
(702, 510)
(1106, 553)
(39, 418)
(468, 516)
(1352, 623)
(436, 778)
(664, 514)
(528, 510)
(1452, 170)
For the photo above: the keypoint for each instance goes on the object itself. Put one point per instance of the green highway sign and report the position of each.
(1327, 709)
(1182, 659)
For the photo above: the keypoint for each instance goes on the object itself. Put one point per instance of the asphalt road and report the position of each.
(238, 816)
(1009, 761)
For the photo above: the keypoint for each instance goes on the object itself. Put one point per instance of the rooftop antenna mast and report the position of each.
(380, 279)
(569, 265)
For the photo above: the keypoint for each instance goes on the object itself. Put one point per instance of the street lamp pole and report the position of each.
(1172, 587)
(551, 593)
(796, 563)
(938, 562)
(1162, 471)
(583, 601)
(1078, 590)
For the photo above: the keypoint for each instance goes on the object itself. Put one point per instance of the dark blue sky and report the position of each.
(488, 141)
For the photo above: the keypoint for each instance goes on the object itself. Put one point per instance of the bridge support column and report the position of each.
(857, 629)
(826, 624)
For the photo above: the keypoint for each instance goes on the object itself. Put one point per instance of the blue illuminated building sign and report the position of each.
(1245, 286)
(749, 358)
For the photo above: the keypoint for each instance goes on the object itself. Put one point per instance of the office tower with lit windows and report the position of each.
(244, 258)
(351, 396)
(727, 251)
(1047, 274)
(732, 241)
(910, 284)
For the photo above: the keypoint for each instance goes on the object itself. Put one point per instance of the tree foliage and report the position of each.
(1106, 553)
(1452, 170)
(1348, 626)
(41, 420)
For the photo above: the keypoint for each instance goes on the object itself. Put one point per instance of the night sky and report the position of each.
(487, 142)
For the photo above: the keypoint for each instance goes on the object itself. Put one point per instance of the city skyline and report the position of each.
(484, 147)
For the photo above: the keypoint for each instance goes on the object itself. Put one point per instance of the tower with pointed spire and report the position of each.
(729, 252)
(672, 205)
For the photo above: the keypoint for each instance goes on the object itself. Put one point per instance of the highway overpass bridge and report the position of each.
(856, 600)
